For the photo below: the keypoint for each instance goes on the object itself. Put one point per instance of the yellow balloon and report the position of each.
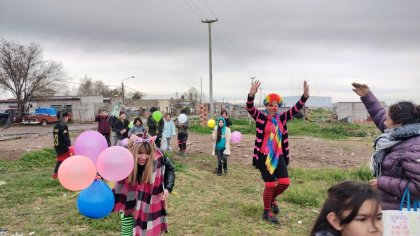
(211, 123)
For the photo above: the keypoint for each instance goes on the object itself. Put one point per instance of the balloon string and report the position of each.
(75, 194)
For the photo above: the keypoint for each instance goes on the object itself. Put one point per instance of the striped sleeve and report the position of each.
(289, 114)
(250, 107)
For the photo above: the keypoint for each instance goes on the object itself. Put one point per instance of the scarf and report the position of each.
(389, 139)
(273, 146)
(143, 203)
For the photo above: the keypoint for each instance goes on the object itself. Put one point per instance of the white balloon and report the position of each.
(182, 118)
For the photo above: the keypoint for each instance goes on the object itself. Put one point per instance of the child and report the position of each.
(104, 127)
(182, 135)
(62, 142)
(221, 137)
(155, 127)
(137, 128)
(168, 132)
(121, 127)
(141, 196)
(224, 114)
(351, 208)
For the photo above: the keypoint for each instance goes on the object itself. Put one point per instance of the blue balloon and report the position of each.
(96, 201)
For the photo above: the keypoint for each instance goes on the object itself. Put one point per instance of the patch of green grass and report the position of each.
(201, 203)
(328, 130)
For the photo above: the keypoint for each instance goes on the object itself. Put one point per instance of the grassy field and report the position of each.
(202, 203)
(328, 130)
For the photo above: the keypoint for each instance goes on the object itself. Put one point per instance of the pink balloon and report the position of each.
(90, 144)
(124, 142)
(76, 173)
(115, 163)
(236, 137)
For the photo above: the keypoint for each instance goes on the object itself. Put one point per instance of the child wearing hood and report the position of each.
(221, 146)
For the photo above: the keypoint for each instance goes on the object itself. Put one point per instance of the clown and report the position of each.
(271, 150)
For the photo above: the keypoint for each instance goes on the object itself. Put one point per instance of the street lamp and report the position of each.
(122, 86)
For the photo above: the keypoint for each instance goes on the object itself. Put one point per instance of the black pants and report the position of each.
(221, 160)
(182, 141)
(280, 172)
(158, 140)
(108, 140)
(57, 165)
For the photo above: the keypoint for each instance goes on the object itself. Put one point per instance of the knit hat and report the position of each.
(272, 97)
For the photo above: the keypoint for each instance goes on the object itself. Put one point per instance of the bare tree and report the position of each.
(137, 95)
(90, 88)
(25, 74)
(193, 96)
(85, 87)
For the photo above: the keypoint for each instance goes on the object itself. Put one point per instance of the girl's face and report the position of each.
(123, 116)
(138, 123)
(168, 117)
(366, 222)
(389, 123)
(142, 158)
(221, 123)
(272, 108)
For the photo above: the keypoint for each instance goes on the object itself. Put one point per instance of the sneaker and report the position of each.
(226, 171)
(275, 208)
(54, 176)
(219, 173)
(270, 217)
(184, 154)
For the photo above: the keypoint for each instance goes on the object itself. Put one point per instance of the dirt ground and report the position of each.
(308, 152)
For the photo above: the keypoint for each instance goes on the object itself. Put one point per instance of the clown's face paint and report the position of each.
(272, 108)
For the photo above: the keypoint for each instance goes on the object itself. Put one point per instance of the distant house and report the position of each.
(314, 102)
(171, 106)
(82, 108)
(352, 111)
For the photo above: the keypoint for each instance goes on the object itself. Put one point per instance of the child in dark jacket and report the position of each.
(121, 127)
(62, 142)
(182, 135)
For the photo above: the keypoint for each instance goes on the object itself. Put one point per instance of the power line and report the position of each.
(192, 9)
(228, 46)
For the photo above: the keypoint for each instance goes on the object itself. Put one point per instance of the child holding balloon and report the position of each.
(141, 196)
(182, 124)
(155, 125)
(221, 145)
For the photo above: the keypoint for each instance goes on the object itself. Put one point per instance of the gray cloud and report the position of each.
(328, 42)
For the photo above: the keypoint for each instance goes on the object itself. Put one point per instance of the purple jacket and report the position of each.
(401, 165)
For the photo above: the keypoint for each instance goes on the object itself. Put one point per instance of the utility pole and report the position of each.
(252, 79)
(201, 92)
(261, 96)
(122, 87)
(210, 65)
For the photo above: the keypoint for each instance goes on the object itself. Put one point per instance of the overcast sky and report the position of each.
(163, 43)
